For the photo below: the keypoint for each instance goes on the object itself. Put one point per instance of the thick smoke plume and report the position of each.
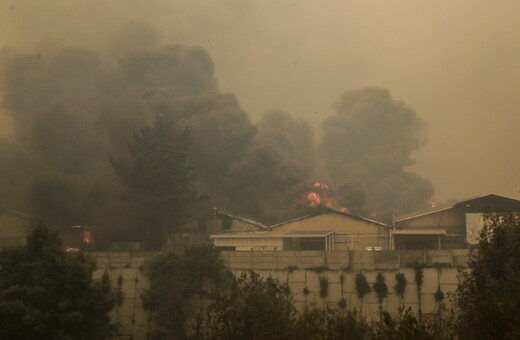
(366, 149)
(72, 108)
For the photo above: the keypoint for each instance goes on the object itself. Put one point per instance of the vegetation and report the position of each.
(400, 286)
(488, 295)
(380, 288)
(178, 282)
(324, 287)
(439, 295)
(329, 323)
(362, 286)
(158, 177)
(418, 276)
(46, 293)
(248, 307)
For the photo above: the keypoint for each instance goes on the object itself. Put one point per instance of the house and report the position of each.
(14, 228)
(324, 229)
(452, 227)
(274, 240)
(217, 222)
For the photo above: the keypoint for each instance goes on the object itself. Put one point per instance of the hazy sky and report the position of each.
(456, 63)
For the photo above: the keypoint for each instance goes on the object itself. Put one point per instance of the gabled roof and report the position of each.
(242, 219)
(466, 203)
(331, 211)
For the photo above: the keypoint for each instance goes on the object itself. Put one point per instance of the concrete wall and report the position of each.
(343, 259)
(300, 269)
(125, 268)
(299, 280)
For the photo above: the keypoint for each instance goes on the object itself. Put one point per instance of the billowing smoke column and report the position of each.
(73, 108)
(366, 149)
(272, 173)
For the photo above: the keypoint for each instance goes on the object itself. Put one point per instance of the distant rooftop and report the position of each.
(466, 202)
(333, 211)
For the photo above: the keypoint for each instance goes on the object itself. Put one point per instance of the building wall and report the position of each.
(267, 243)
(453, 220)
(13, 229)
(351, 234)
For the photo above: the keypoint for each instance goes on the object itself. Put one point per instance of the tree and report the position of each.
(380, 288)
(488, 295)
(249, 307)
(158, 176)
(46, 293)
(177, 281)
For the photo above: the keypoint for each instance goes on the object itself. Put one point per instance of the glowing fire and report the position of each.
(86, 235)
(320, 196)
(435, 203)
(313, 199)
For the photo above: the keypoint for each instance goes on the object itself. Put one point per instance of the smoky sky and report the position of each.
(368, 145)
(101, 70)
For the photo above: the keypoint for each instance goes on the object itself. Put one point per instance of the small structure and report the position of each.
(15, 226)
(218, 222)
(452, 227)
(325, 229)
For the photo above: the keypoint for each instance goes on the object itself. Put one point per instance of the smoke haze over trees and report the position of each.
(72, 107)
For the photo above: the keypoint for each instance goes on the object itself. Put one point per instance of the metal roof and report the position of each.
(333, 211)
(455, 204)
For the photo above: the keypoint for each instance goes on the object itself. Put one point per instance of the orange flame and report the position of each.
(86, 236)
(313, 199)
(435, 203)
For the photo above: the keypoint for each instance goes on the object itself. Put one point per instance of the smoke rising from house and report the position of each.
(72, 107)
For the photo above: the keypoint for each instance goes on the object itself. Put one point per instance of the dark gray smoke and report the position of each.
(367, 146)
(273, 174)
(73, 107)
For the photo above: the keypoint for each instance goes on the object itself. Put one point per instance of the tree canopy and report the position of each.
(249, 307)
(177, 281)
(157, 176)
(488, 295)
(46, 293)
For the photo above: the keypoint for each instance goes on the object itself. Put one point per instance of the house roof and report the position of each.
(331, 211)
(462, 203)
(242, 219)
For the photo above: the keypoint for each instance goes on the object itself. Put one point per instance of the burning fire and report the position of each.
(435, 203)
(313, 199)
(85, 233)
(320, 197)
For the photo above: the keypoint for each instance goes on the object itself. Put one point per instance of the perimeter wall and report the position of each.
(305, 272)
